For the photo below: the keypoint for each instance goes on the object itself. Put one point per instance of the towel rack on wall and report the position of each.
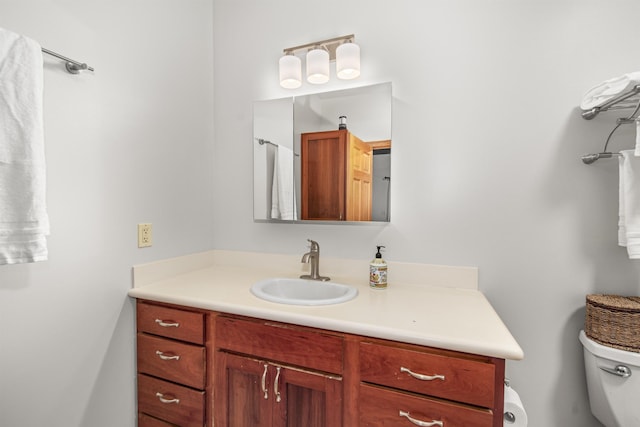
(264, 141)
(624, 100)
(617, 102)
(72, 66)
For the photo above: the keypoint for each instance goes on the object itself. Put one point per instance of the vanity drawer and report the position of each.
(170, 322)
(172, 360)
(170, 402)
(145, 420)
(380, 407)
(465, 380)
(281, 342)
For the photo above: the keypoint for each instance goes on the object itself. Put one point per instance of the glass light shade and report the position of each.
(348, 61)
(290, 72)
(317, 66)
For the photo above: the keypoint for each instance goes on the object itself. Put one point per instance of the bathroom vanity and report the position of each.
(211, 353)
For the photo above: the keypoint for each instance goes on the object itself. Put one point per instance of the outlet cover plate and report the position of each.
(145, 235)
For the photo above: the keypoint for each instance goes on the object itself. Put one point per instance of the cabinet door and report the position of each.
(254, 393)
(307, 398)
(359, 180)
(242, 392)
(323, 157)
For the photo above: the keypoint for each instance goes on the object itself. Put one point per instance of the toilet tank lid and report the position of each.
(610, 353)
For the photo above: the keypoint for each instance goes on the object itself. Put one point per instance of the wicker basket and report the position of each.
(614, 321)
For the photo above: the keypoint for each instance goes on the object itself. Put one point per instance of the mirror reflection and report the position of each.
(323, 157)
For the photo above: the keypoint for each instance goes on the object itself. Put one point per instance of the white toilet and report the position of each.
(613, 381)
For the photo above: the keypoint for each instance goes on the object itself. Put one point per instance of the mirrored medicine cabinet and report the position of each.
(323, 157)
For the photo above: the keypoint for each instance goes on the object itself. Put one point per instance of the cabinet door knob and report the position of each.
(167, 323)
(164, 399)
(168, 356)
(422, 377)
(421, 423)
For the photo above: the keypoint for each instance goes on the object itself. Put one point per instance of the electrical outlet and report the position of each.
(145, 235)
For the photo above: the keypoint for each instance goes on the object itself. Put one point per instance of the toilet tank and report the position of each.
(613, 394)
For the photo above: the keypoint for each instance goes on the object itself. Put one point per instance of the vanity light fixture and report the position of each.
(343, 50)
(290, 72)
(348, 61)
(318, 65)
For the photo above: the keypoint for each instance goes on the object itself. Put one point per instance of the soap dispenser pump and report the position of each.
(378, 271)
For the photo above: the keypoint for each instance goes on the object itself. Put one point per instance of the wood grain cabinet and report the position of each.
(270, 374)
(203, 368)
(337, 170)
(404, 384)
(171, 359)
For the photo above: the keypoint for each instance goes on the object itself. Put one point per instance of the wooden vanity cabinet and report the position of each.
(337, 171)
(171, 358)
(259, 373)
(272, 374)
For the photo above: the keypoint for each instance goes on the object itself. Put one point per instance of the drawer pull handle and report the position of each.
(276, 387)
(264, 382)
(167, 324)
(421, 423)
(163, 399)
(168, 356)
(422, 377)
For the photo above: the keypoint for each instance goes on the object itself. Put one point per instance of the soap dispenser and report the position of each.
(378, 271)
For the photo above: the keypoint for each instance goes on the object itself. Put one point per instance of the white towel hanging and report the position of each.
(629, 210)
(283, 192)
(23, 216)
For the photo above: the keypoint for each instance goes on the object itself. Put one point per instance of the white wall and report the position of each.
(486, 170)
(274, 122)
(130, 143)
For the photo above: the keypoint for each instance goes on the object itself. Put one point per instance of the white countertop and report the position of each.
(422, 304)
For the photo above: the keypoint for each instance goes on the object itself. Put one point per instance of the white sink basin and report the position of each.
(303, 291)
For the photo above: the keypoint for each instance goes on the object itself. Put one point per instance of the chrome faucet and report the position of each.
(313, 257)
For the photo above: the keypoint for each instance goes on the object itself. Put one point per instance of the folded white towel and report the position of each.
(629, 221)
(283, 196)
(24, 221)
(607, 90)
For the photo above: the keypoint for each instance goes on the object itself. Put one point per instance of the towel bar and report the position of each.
(587, 159)
(611, 104)
(265, 141)
(72, 66)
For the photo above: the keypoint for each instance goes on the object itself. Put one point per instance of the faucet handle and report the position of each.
(315, 247)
